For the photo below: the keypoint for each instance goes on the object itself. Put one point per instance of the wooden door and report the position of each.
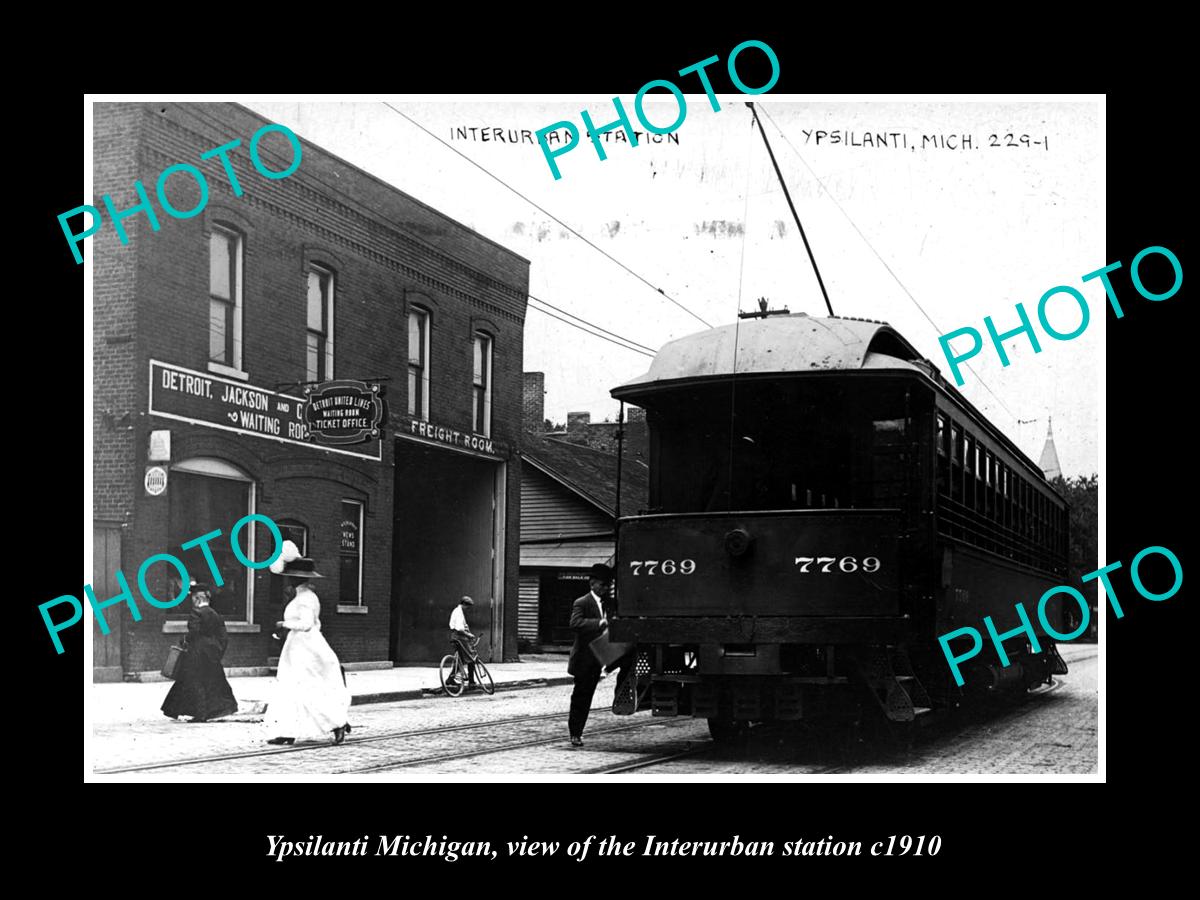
(106, 560)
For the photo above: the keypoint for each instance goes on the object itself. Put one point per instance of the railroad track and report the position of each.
(314, 746)
(513, 745)
(705, 747)
(693, 750)
(654, 760)
(404, 735)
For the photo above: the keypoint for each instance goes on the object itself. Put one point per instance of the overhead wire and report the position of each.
(593, 324)
(853, 225)
(737, 322)
(592, 333)
(641, 348)
(545, 211)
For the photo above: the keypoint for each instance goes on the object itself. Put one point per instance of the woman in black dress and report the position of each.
(200, 689)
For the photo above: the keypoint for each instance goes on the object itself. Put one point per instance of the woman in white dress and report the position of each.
(311, 699)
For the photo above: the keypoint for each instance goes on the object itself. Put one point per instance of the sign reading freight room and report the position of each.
(440, 434)
(343, 412)
(215, 402)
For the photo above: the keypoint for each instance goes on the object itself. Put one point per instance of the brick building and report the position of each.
(206, 333)
(580, 429)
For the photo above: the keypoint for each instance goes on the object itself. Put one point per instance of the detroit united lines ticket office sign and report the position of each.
(203, 399)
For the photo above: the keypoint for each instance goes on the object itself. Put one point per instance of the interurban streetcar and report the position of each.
(823, 505)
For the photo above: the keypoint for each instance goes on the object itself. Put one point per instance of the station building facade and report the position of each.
(208, 334)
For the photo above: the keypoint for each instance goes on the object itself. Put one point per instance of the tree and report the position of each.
(1083, 493)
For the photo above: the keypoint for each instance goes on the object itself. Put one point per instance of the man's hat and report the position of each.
(467, 601)
(198, 586)
(602, 572)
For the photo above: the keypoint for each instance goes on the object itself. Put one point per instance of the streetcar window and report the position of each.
(1018, 506)
(1035, 520)
(997, 507)
(889, 431)
(969, 468)
(1026, 509)
(1035, 517)
(988, 501)
(943, 458)
(956, 476)
(782, 444)
(1008, 509)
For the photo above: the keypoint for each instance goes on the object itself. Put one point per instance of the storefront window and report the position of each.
(207, 495)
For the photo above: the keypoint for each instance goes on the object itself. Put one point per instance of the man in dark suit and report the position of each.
(588, 621)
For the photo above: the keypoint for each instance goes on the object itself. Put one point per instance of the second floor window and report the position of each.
(482, 406)
(418, 363)
(319, 352)
(225, 298)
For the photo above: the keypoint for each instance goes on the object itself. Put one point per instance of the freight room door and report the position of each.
(443, 548)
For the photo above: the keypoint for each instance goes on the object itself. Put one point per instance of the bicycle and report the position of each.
(454, 672)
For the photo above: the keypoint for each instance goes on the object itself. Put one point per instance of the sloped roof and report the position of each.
(590, 473)
(794, 343)
(567, 554)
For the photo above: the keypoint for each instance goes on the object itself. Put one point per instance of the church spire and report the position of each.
(1049, 462)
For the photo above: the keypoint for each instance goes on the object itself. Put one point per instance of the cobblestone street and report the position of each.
(523, 732)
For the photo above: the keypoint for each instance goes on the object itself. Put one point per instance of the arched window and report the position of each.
(418, 362)
(208, 495)
(296, 532)
(319, 334)
(481, 417)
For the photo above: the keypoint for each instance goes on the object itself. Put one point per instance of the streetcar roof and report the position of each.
(794, 344)
(800, 344)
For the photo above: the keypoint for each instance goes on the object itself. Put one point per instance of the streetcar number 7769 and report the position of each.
(662, 567)
(845, 564)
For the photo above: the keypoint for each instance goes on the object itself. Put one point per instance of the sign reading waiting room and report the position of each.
(215, 402)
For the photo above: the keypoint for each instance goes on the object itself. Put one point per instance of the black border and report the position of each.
(1145, 486)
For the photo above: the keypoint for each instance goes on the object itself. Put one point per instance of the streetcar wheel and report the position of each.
(453, 681)
(485, 678)
(727, 731)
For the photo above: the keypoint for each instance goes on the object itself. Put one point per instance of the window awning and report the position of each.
(567, 555)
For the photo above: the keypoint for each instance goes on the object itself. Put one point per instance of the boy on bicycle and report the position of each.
(462, 638)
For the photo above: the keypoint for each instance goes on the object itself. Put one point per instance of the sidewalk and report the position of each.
(136, 701)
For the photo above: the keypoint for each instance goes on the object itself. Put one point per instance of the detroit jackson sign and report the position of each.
(214, 402)
(343, 412)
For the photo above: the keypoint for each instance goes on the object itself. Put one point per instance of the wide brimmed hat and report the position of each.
(601, 571)
(293, 565)
(467, 601)
(303, 567)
